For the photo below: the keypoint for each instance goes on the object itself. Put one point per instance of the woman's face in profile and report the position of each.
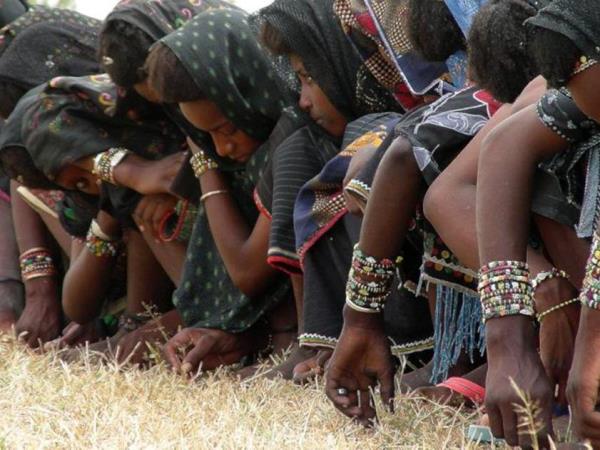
(230, 142)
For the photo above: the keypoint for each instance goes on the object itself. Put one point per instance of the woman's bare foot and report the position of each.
(309, 369)
(445, 395)
(416, 379)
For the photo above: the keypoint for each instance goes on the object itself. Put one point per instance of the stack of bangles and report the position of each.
(105, 163)
(100, 244)
(37, 263)
(202, 164)
(505, 289)
(590, 293)
(546, 276)
(369, 282)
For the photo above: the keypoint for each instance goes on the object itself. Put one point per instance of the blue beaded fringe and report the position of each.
(458, 328)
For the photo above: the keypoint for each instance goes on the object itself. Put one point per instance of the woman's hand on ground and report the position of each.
(584, 379)
(512, 357)
(361, 359)
(151, 210)
(149, 177)
(558, 331)
(75, 334)
(41, 320)
(212, 348)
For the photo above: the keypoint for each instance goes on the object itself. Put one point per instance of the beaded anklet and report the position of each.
(202, 164)
(505, 290)
(369, 282)
(100, 244)
(37, 263)
(105, 163)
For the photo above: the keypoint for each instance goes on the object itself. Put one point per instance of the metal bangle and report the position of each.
(212, 194)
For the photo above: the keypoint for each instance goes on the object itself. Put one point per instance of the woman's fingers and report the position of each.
(194, 357)
(509, 425)
(386, 387)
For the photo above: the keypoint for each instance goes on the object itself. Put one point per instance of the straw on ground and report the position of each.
(45, 403)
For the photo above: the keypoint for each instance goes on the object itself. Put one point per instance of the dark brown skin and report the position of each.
(315, 102)
(41, 320)
(11, 289)
(149, 289)
(139, 174)
(208, 349)
(87, 281)
(584, 380)
(242, 247)
(453, 216)
(506, 169)
(362, 356)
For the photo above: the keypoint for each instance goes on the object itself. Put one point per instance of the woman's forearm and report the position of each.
(85, 285)
(243, 249)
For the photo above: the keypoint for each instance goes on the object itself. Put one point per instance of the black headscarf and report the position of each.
(11, 10)
(223, 56)
(157, 18)
(579, 21)
(311, 29)
(72, 118)
(45, 43)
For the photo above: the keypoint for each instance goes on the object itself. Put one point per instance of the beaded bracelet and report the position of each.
(548, 275)
(369, 282)
(99, 246)
(202, 164)
(590, 293)
(37, 263)
(105, 163)
(542, 315)
(504, 289)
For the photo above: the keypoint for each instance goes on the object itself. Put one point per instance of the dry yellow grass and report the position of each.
(45, 403)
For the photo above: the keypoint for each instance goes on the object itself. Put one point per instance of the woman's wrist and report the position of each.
(353, 318)
(510, 334)
(129, 171)
(108, 224)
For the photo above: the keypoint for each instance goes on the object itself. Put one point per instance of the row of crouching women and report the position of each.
(392, 193)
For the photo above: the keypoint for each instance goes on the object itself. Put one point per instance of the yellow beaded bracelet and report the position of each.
(542, 315)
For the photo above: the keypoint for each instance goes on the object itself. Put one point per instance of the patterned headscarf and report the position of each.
(71, 118)
(311, 29)
(157, 18)
(362, 29)
(223, 56)
(45, 43)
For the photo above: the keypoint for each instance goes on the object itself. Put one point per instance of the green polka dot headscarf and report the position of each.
(223, 56)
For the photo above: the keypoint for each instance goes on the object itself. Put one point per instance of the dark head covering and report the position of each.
(11, 10)
(71, 118)
(223, 56)
(311, 29)
(157, 18)
(45, 43)
(578, 21)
